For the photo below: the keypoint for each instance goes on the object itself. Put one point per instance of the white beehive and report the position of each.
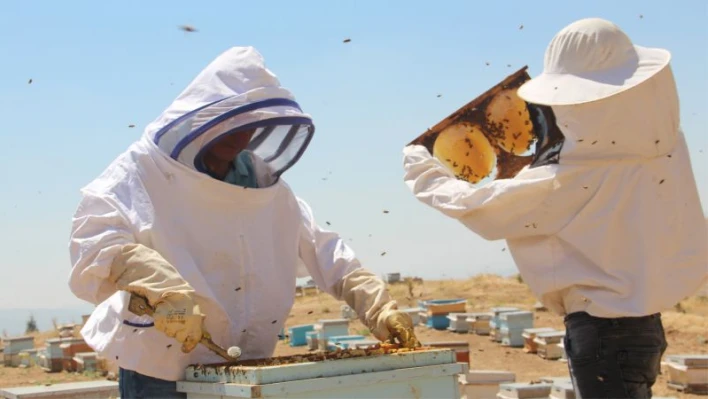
(330, 328)
(458, 322)
(512, 325)
(482, 384)
(524, 391)
(562, 390)
(688, 373)
(479, 323)
(495, 323)
(547, 344)
(417, 374)
(529, 334)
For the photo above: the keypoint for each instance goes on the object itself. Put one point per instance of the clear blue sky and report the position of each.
(98, 67)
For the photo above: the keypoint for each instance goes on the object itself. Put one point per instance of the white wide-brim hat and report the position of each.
(589, 60)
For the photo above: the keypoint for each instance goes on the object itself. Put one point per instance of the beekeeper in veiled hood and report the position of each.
(610, 232)
(195, 218)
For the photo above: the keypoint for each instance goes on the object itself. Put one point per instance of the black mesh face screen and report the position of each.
(549, 137)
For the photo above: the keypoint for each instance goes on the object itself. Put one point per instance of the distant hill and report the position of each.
(13, 321)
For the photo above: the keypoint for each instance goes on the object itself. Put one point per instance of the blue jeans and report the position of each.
(614, 358)
(133, 385)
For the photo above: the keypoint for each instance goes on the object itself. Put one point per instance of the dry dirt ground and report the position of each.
(686, 327)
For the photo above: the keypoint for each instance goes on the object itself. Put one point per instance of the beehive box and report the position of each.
(443, 309)
(298, 334)
(333, 327)
(529, 334)
(688, 373)
(70, 347)
(13, 347)
(458, 322)
(426, 303)
(518, 320)
(562, 390)
(73, 390)
(495, 322)
(512, 325)
(85, 361)
(479, 323)
(511, 338)
(438, 322)
(524, 391)
(483, 384)
(54, 350)
(547, 344)
(424, 373)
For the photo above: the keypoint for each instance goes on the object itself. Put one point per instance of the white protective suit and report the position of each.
(241, 249)
(614, 227)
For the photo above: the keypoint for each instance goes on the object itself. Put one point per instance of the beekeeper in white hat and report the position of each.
(195, 218)
(610, 231)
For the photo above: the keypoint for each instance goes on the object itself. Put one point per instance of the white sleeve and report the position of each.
(99, 229)
(502, 209)
(336, 270)
(324, 253)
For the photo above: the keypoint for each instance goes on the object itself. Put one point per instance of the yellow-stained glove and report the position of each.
(366, 293)
(400, 326)
(144, 272)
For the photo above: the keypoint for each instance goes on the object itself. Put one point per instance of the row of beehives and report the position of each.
(59, 354)
(327, 334)
(508, 326)
(513, 327)
(483, 384)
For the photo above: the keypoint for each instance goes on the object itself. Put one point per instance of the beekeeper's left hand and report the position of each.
(400, 326)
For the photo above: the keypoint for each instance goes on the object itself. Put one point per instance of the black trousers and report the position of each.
(614, 358)
(132, 385)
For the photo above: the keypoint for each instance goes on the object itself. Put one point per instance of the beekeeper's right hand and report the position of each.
(142, 271)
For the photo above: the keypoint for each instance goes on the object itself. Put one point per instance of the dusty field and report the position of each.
(686, 326)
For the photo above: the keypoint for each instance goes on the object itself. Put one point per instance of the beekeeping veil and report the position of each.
(235, 94)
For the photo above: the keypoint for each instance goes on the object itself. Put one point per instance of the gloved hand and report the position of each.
(144, 272)
(400, 326)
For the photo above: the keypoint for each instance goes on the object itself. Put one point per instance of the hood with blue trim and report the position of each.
(235, 94)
